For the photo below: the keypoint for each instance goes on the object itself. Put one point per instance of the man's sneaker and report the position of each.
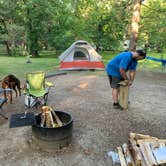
(117, 106)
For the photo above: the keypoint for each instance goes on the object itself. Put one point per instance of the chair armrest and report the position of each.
(25, 91)
(8, 90)
(49, 84)
(5, 90)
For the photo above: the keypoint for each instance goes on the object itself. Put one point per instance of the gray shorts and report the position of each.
(114, 81)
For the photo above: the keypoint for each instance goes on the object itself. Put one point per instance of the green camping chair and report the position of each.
(36, 89)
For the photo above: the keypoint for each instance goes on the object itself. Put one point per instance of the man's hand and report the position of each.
(128, 82)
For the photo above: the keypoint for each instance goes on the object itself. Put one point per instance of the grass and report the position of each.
(142, 65)
(152, 65)
(49, 62)
(19, 67)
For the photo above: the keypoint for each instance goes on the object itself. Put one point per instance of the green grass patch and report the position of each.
(142, 65)
(19, 67)
(49, 62)
(152, 65)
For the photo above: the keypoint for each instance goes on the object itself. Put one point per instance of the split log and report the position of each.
(139, 137)
(136, 153)
(162, 144)
(149, 140)
(43, 119)
(151, 151)
(163, 141)
(45, 109)
(48, 116)
(123, 96)
(57, 118)
(49, 119)
(121, 157)
(147, 154)
(123, 83)
(128, 157)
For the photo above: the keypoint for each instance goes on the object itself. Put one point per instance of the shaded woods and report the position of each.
(31, 26)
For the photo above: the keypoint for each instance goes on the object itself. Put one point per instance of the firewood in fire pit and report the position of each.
(43, 119)
(48, 116)
(49, 120)
(57, 118)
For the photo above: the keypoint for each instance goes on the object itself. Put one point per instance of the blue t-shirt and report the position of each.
(123, 60)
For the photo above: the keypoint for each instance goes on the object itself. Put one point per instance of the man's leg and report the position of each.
(114, 82)
(115, 93)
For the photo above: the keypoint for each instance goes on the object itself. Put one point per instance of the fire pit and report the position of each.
(53, 138)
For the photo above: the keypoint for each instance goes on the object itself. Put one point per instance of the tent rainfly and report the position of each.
(80, 55)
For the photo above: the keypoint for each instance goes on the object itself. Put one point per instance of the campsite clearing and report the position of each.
(98, 128)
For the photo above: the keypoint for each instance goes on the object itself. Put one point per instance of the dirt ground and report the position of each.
(98, 128)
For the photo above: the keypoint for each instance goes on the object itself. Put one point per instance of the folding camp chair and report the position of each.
(3, 100)
(36, 89)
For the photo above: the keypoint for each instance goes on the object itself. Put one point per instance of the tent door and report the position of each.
(79, 55)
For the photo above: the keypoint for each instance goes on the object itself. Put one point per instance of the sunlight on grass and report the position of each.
(150, 65)
(49, 62)
(142, 65)
(19, 67)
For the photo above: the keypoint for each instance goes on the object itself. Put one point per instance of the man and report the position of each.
(117, 71)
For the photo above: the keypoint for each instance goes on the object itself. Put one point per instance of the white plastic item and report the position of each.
(115, 157)
(32, 100)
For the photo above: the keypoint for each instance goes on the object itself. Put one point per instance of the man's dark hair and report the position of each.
(141, 53)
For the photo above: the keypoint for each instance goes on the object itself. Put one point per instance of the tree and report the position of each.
(10, 29)
(135, 25)
(35, 18)
(153, 24)
(107, 23)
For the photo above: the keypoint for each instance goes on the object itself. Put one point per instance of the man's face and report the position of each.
(140, 58)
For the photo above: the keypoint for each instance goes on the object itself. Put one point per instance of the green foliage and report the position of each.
(153, 31)
(106, 24)
(143, 64)
(57, 24)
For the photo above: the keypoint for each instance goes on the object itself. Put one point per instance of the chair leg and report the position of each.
(31, 101)
(1, 114)
(45, 98)
(2, 101)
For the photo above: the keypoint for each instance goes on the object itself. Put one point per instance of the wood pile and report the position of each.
(143, 150)
(49, 118)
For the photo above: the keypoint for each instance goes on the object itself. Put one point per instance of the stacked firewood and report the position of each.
(49, 118)
(143, 150)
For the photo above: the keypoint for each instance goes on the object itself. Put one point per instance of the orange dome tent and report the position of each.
(81, 55)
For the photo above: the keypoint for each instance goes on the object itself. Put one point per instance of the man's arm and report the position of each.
(132, 74)
(129, 80)
(123, 74)
(123, 67)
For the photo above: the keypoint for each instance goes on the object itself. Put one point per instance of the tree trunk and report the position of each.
(8, 50)
(135, 25)
(159, 49)
(100, 33)
(45, 45)
(32, 37)
(33, 44)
